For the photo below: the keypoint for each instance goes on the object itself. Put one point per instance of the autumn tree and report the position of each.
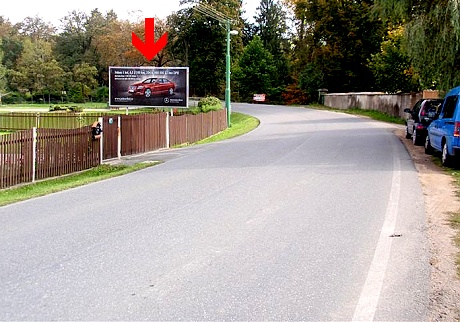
(336, 39)
(115, 49)
(392, 66)
(432, 30)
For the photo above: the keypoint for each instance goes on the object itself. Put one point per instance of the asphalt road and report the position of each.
(313, 216)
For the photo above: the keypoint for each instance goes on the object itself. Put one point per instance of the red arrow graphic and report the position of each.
(149, 48)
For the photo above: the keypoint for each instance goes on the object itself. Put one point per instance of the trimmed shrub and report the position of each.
(209, 103)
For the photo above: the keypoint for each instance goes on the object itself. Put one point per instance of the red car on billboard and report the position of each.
(152, 86)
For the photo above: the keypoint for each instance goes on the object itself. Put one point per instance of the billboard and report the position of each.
(148, 86)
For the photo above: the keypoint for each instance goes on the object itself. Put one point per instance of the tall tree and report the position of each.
(256, 72)
(432, 34)
(12, 47)
(36, 29)
(199, 41)
(272, 28)
(83, 82)
(78, 42)
(11, 43)
(10, 50)
(29, 75)
(73, 42)
(114, 47)
(337, 38)
(96, 25)
(2, 75)
(392, 67)
(53, 78)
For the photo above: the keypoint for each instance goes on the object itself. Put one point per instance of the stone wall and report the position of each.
(391, 104)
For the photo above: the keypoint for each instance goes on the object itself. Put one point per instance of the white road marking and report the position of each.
(368, 301)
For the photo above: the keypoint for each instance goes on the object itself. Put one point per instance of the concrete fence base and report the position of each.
(391, 104)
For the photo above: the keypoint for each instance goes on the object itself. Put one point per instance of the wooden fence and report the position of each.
(35, 154)
(41, 153)
(61, 152)
(26, 121)
(16, 158)
(192, 128)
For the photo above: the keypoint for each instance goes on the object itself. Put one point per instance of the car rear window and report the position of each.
(449, 107)
(432, 106)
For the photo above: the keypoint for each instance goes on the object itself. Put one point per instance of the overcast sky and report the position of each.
(52, 10)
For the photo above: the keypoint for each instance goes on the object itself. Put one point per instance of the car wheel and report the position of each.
(428, 148)
(171, 91)
(445, 156)
(408, 136)
(148, 92)
(415, 139)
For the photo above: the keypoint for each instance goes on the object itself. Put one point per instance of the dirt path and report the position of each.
(440, 201)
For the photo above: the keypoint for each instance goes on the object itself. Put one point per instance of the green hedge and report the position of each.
(206, 105)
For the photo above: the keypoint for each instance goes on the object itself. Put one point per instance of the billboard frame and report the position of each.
(126, 89)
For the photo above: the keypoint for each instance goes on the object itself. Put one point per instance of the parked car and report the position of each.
(444, 132)
(420, 116)
(152, 86)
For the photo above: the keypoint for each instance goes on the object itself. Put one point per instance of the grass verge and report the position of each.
(240, 124)
(28, 106)
(375, 115)
(48, 186)
(455, 223)
(455, 218)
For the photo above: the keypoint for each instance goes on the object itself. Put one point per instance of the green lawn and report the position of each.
(375, 115)
(240, 124)
(28, 106)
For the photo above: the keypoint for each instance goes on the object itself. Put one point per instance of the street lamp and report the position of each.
(209, 11)
(227, 73)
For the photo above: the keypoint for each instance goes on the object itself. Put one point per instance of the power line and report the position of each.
(209, 11)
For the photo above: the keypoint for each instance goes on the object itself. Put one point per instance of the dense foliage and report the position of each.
(209, 103)
(288, 51)
(431, 37)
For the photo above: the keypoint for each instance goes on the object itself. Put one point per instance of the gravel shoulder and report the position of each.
(440, 201)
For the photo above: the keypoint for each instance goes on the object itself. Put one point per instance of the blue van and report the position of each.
(444, 132)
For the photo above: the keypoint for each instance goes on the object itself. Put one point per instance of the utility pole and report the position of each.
(209, 11)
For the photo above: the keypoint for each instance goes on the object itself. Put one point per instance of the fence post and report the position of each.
(101, 141)
(167, 131)
(119, 138)
(34, 152)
